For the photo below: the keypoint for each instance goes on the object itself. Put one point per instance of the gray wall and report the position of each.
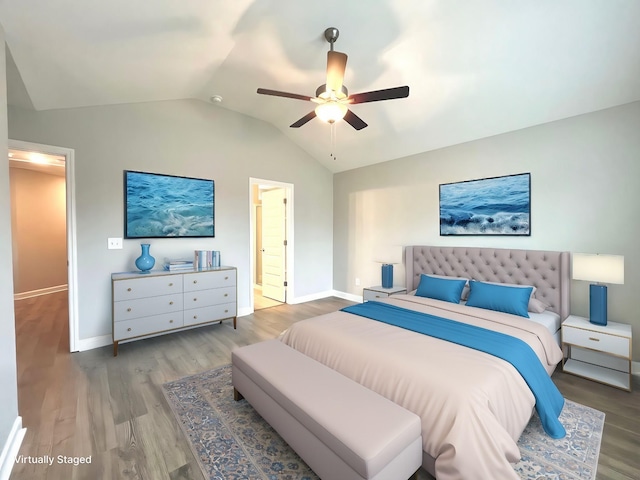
(189, 138)
(8, 375)
(585, 198)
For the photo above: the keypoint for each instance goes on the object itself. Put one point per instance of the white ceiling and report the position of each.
(475, 68)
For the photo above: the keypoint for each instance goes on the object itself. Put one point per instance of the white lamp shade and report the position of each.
(598, 268)
(388, 254)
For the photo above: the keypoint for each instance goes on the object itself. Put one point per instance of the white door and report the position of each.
(274, 237)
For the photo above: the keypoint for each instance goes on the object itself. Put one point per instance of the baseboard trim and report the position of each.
(94, 342)
(11, 449)
(310, 298)
(42, 291)
(635, 368)
(348, 296)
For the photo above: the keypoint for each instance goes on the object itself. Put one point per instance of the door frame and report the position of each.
(72, 246)
(289, 224)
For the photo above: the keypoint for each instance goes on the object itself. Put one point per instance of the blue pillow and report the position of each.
(449, 290)
(500, 298)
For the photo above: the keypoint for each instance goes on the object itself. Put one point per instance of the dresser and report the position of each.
(147, 304)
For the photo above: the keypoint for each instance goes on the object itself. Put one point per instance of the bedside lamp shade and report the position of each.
(599, 269)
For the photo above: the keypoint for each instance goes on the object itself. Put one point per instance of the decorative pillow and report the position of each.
(534, 306)
(501, 298)
(465, 290)
(449, 290)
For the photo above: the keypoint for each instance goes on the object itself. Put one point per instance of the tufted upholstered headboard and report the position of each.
(548, 271)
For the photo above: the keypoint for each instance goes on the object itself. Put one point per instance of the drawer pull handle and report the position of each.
(129, 329)
(195, 281)
(129, 289)
(226, 294)
(195, 317)
(226, 278)
(195, 299)
(170, 303)
(226, 310)
(594, 339)
(170, 321)
(129, 309)
(171, 284)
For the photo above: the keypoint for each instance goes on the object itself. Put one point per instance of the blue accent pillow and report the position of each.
(500, 298)
(449, 290)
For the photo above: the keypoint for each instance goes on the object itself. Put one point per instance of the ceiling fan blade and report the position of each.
(336, 65)
(276, 93)
(303, 120)
(354, 120)
(379, 95)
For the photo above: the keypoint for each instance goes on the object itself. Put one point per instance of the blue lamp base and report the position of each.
(387, 275)
(598, 304)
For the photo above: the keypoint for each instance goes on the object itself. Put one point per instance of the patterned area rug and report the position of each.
(232, 442)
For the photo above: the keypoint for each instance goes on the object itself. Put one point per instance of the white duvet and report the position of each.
(473, 406)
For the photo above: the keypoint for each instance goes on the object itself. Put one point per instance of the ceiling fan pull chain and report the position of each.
(332, 130)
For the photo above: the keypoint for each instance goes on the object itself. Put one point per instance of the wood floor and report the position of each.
(112, 409)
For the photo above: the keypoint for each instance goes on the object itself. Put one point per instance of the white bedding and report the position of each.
(473, 406)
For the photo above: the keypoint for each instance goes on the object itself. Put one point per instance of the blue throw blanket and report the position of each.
(549, 400)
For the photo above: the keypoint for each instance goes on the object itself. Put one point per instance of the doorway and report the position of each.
(52, 167)
(271, 226)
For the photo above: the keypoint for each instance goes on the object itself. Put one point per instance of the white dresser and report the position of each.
(147, 304)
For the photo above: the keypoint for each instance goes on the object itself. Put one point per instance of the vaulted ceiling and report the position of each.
(475, 68)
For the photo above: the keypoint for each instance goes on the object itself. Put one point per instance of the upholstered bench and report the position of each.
(341, 429)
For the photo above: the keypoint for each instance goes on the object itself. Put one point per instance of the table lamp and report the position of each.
(600, 269)
(388, 257)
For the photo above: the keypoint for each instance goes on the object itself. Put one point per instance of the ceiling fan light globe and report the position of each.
(331, 112)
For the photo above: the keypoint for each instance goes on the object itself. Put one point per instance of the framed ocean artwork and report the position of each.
(489, 206)
(167, 206)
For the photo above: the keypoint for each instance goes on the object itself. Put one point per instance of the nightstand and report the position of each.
(596, 352)
(371, 293)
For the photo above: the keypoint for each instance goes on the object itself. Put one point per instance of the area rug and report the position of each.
(231, 441)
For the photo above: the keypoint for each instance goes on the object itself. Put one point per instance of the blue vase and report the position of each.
(145, 262)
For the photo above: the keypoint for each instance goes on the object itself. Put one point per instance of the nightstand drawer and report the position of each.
(372, 295)
(596, 341)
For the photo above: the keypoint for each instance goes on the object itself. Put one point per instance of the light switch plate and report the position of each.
(114, 243)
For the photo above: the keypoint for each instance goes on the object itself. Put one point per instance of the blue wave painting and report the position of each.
(491, 206)
(159, 206)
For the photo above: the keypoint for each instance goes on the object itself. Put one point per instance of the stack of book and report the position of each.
(177, 265)
(206, 258)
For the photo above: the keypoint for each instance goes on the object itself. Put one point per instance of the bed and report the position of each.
(473, 406)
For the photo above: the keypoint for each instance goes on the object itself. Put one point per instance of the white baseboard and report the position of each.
(635, 368)
(347, 296)
(309, 298)
(11, 449)
(94, 342)
(243, 312)
(42, 291)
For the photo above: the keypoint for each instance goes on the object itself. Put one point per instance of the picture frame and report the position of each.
(487, 206)
(168, 206)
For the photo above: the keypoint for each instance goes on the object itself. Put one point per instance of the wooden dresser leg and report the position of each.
(115, 349)
(234, 322)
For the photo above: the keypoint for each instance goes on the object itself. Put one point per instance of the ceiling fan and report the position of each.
(332, 97)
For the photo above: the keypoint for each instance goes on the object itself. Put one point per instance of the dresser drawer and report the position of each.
(146, 287)
(207, 280)
(145, 307)
(372, 295)
(596, 341)
(209, 314)
(205, 298)
(147, 325)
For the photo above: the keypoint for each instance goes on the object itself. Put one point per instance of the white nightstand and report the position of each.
(371, 293)
(596, 352)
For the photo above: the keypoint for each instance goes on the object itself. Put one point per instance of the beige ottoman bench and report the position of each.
(341, 429)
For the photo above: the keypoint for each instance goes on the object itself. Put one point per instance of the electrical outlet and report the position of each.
(357, 282)
(114, 243)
